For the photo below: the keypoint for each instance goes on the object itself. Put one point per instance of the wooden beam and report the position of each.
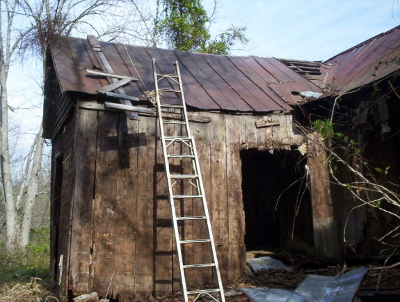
(326, 240)
(101, 58)
(266, 124)
(195, 118)
(115, 85)
(122, 96)
(109, 75)
(128, 107)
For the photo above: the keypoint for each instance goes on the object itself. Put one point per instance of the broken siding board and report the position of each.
(81, 216)
(212, 82)
(105, 222)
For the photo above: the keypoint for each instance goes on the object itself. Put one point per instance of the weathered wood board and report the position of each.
(122, 242)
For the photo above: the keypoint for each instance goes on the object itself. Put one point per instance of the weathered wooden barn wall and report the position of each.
(115, 229)
(63, 183)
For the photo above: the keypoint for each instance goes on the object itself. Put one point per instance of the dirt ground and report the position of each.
(384, 282)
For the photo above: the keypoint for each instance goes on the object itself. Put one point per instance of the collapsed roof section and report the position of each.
(212, 82)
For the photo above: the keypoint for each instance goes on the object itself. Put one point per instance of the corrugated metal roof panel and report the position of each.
(367, 62)
(211, 82)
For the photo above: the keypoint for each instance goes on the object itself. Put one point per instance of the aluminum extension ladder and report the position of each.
(186, 185)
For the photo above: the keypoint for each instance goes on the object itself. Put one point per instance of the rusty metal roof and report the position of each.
(365, 63)
(211, 82)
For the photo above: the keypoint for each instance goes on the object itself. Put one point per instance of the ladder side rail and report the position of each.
(199, 180)
(170, 192)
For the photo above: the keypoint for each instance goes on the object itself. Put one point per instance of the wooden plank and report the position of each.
(115, 85)
(122, 96)
(105, 222)
(129, 107)
(81, 211)
(104, 64)
(218, 200)
(112, 75)
(248, 133)
(63, 180)
(201, 132)
(325, 228)
(163, 234)
(145, 215)
(236, 227)
(266, 124)
(125, 231)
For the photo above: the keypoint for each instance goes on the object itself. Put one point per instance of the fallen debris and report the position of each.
(93, 297)
(341, 288)
(258, 265)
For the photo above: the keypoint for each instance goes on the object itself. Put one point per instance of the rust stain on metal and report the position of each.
(212, 82)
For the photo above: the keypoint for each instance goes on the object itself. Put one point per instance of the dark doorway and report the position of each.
(276, 199)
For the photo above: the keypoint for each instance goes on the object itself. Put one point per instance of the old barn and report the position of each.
(111, 224)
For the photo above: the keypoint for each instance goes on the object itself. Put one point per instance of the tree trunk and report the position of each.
(32, 190)
(6, 168)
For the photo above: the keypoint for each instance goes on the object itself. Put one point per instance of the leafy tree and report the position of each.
(184, 25)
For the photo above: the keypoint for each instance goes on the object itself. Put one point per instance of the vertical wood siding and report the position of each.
(122, 240)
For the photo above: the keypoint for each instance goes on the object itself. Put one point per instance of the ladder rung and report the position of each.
(171, 106)
(199, 265)
(169, 90)
(183, 176)
(195, 241)
(174, 122)
(191, 218)
(187, 196)
(167, 75)
(203, 291)
(170, 138)
(180, 156)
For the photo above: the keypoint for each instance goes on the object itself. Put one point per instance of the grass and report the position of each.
(23, 274)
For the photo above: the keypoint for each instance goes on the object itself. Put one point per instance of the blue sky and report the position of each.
(305, 29)
(291, 29)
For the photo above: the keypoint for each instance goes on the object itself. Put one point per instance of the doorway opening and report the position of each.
(276, 200)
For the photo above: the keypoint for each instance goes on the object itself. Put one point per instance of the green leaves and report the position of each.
(323, 127)
(184, 24)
